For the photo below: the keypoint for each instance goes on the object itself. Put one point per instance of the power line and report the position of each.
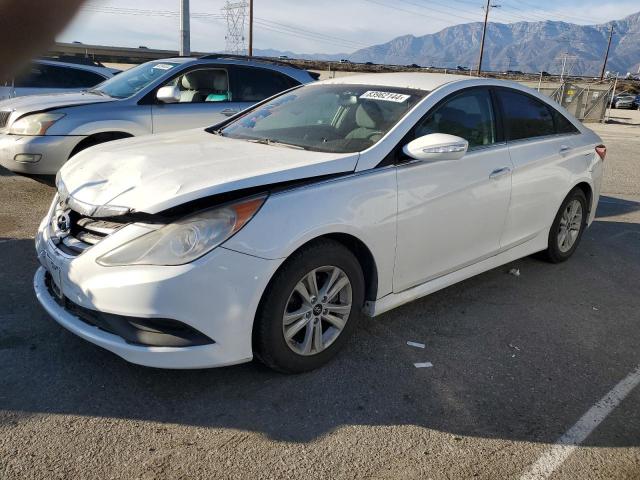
(265, 24)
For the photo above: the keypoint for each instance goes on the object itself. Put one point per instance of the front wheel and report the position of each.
(568, 227)
(310, 308)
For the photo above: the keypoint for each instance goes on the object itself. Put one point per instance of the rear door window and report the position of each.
(525, 116)
(468, 115)
(252, 84)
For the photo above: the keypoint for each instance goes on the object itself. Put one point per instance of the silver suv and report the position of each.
(38, 134)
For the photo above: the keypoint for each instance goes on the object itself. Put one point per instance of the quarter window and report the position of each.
(562, 124)
(468, 115)
(525, 116)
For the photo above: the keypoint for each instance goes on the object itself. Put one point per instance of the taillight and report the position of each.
(601, 150)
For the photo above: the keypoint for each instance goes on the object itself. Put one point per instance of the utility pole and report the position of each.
(185, 32)
(251, 28)
(484, 33)
(606, 55)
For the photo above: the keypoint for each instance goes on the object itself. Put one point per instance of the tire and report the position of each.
(561, 247)
(325, 258)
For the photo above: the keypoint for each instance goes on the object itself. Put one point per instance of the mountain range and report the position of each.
(526, 46)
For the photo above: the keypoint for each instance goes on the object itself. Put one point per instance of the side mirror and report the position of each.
(168, 94)
(436, 147)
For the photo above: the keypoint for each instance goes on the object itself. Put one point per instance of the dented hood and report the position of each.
(155, 172)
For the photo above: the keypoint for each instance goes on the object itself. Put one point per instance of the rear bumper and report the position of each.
(51, 151)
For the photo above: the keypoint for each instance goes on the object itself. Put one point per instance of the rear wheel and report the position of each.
(309, 310)
(568, 227)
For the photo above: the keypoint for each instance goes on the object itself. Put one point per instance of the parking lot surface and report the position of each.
(517, 361)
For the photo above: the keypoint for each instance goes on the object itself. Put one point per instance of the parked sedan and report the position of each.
(49, 76)
(269, 234)
(38, 134)
(624, 101)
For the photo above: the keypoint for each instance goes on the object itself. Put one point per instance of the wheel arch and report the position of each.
(98, 138)
(359, 250)
(587, 189)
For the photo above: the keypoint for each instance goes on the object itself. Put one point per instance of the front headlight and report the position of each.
(186, 239)
(36, 124)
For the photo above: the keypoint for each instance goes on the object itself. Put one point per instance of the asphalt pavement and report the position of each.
(517, 361)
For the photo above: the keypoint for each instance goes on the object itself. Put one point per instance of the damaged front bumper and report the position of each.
(213, 300)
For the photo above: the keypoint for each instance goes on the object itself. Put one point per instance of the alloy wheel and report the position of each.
(317, 310)
(570, 225)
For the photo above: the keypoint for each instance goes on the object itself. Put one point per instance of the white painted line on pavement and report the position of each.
(577, 434)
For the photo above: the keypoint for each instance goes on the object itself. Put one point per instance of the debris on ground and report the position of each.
(515, 347)
(515, 272)
(423, 365)
(415, 344)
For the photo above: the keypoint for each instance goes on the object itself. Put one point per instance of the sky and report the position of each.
(306, 26)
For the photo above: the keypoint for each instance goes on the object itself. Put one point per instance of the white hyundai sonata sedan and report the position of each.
(270, 234)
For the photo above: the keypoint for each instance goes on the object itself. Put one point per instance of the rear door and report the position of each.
(451, 213)
(542, 145)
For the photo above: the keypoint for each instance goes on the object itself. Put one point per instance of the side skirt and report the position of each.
(393, 300)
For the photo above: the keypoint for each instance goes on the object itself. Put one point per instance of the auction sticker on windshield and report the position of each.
(163, 66)
(385, 96)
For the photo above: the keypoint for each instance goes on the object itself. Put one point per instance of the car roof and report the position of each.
(80, 66)
(292, 71)
(413, 80)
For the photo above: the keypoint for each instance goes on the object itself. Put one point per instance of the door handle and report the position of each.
(499, 172)
(564, 148)
(229, 112)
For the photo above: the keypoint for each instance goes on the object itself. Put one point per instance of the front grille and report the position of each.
(4, 117)
(85, 232)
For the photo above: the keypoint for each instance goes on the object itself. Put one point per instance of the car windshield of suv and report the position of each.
(326, 118)
(133, 80)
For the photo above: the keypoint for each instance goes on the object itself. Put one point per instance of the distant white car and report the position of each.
(269, 234)
(49, 76)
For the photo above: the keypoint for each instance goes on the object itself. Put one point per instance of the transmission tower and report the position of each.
(236, 15)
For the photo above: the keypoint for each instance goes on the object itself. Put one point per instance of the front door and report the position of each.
(451, 213)
(205, 99)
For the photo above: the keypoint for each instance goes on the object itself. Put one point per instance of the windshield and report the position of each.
(135, 79)
(326, 118)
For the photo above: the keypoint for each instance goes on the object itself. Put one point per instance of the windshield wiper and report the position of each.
(270, 141)
(97, 92)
